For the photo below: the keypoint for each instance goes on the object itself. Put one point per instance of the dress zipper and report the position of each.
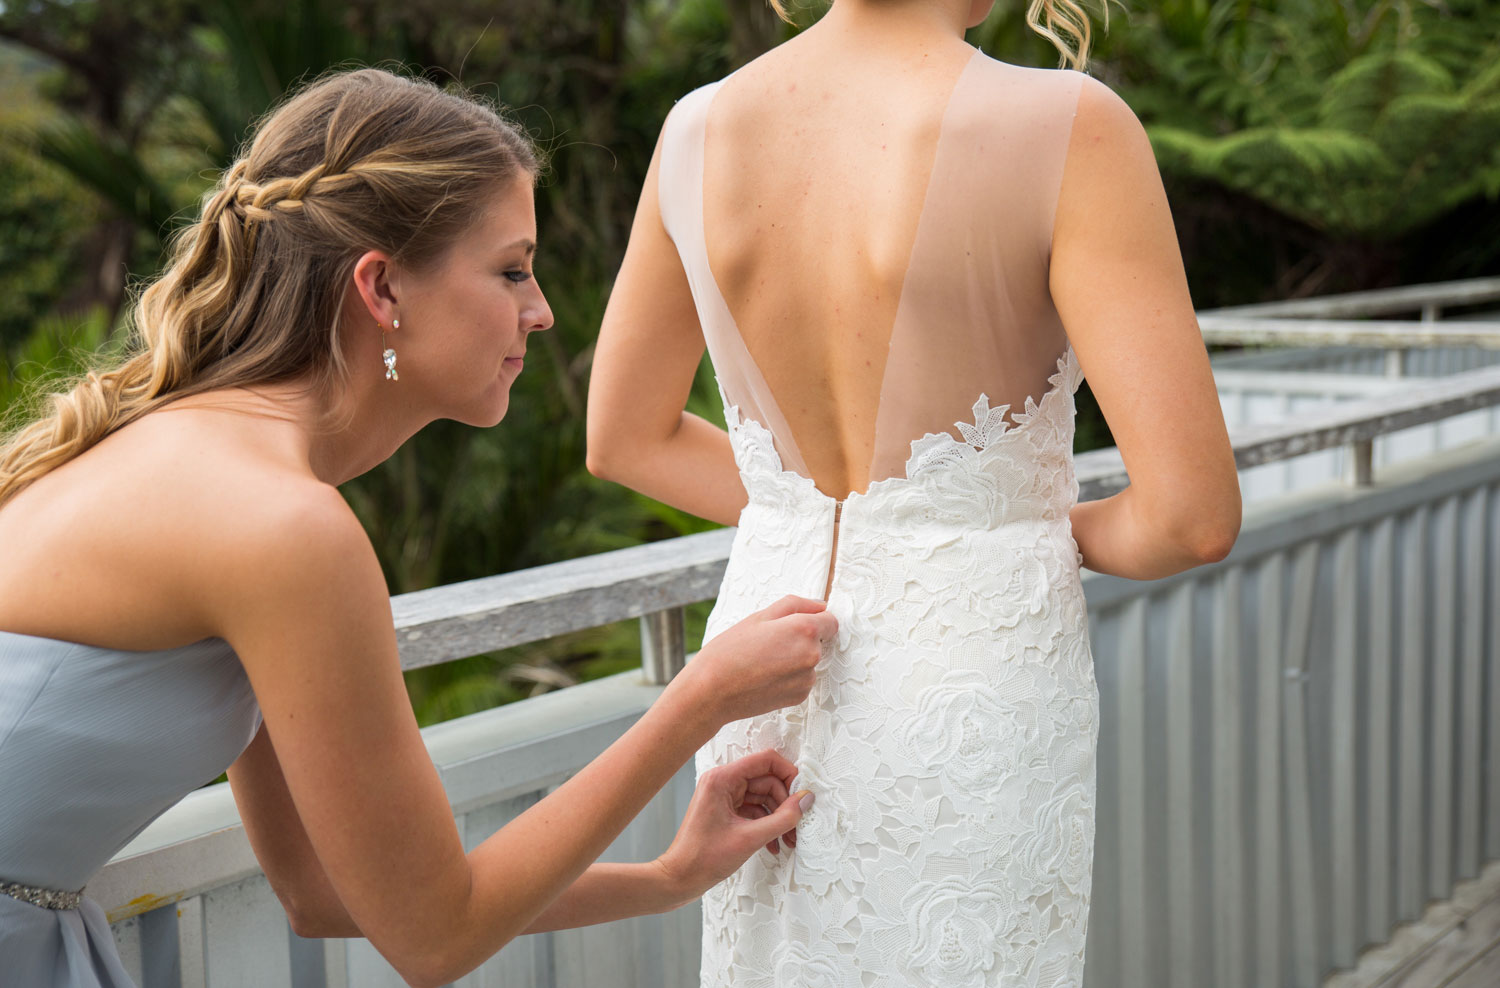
(838, 510)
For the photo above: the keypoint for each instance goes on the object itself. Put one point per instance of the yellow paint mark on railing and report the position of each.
(143, 904)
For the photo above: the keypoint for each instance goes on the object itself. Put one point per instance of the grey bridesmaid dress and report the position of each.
(95, 743)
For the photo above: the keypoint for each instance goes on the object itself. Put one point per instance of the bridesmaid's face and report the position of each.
(978, 11)
(475, 311)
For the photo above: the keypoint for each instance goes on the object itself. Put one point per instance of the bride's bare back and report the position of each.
(880, 242)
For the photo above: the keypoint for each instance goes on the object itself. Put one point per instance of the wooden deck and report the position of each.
(1455, 945)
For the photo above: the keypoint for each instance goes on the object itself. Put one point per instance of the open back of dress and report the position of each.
(974, 319)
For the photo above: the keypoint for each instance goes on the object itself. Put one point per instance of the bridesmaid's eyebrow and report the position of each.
(530, 245)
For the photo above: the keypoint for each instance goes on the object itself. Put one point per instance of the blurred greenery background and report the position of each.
(1308, 146)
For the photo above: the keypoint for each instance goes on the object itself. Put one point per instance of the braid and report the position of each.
(259, 202)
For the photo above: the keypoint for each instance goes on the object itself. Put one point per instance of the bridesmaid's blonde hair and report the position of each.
(360, 160)
(1055, 20)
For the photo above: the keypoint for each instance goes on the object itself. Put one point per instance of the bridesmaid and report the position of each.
(184, 588)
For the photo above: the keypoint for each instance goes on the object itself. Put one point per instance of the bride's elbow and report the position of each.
(1214, 536)
(1214, 546)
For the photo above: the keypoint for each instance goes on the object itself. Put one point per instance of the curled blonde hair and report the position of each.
(361, 160)
(1055, 20)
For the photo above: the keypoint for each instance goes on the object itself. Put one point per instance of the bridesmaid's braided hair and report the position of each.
(253, 293)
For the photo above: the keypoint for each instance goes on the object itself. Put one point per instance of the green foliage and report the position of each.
(109, 167)
(1309, 146)
(42, 223)
(1361, 120)
(58, 349)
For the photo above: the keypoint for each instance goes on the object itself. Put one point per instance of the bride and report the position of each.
(902, 256)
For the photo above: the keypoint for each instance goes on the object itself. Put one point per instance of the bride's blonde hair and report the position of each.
(359, 160)
(1056, 20)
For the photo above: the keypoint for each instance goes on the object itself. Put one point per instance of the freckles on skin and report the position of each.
(480, 302)
(490, 303)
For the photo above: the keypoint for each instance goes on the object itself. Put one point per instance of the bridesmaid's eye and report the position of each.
(518, 276)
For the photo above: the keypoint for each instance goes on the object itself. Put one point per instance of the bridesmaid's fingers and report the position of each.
(749, 812)
(766, 762)
(769, 785)
(759, 799)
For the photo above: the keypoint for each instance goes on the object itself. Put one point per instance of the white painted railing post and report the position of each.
(663, 644)
(1395, 362)
(1360, 471)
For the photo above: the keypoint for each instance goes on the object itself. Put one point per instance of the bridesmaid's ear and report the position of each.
(374, 280)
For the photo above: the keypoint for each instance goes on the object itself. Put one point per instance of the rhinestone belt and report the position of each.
(46, 898)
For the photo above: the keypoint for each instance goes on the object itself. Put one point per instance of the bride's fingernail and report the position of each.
(805, 801)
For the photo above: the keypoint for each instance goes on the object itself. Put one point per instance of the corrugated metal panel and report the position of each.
(1349, 725)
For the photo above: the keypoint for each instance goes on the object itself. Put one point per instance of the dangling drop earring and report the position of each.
(389, 356)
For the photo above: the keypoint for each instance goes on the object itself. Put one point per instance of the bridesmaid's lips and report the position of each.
(515, 362)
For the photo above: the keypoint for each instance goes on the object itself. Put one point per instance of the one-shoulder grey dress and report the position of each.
(95, 743)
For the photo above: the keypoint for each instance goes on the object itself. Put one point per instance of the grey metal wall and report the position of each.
(1299, 744)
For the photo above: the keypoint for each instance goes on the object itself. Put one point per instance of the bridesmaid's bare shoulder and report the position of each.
(156, 525)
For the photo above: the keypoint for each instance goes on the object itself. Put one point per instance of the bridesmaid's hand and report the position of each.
(736, 809)
(763, 663)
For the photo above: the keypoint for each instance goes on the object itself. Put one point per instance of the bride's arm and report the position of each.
(1118, 282)
(650, 345)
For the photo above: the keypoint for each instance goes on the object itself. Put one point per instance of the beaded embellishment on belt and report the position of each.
(46, 898)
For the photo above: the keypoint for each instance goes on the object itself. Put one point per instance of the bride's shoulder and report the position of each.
(694, 99)
(1033, 95)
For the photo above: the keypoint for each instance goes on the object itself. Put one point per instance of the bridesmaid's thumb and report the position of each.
(792, 604)
(768, 828)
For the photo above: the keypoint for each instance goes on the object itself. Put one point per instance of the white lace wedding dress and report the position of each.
(950, 738)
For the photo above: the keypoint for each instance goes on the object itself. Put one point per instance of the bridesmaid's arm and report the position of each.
(603, 893)
(707, 848)
(650, 345)
(281, 844)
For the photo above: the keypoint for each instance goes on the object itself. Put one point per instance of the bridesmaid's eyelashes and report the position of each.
(518, 276)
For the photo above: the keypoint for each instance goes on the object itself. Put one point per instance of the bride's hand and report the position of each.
(736, 809)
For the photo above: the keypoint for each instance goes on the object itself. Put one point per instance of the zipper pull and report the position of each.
(833, 552)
